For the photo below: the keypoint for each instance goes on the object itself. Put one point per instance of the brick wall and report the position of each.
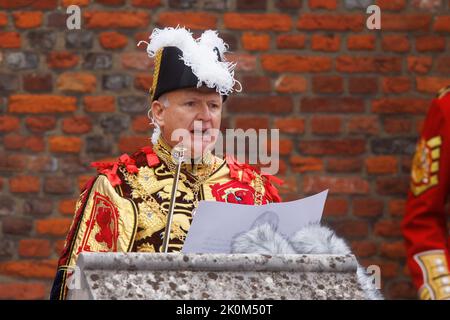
(348, 101)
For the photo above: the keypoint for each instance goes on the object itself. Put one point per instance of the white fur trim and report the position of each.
(198, 54)
(311, 239)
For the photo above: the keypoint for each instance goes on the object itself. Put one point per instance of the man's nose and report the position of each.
(204, 113)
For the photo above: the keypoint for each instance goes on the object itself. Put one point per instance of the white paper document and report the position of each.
(216, 224)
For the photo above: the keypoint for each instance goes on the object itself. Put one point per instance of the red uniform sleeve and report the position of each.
(425, 222)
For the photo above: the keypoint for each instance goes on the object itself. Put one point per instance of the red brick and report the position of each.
(13, 162)
(295, 63)
(77, 125)
(344, 165)
(19, 142)
(146, 3)
(328, 84)
(305, 164)
(335, 207)
(80, 3)
(143, 81)
(53, 227)
(342, 105)
(245, 62)
(290, 125)
(83, 179)
(396, 84)
(112, 40)
(368, 64)
(141, 124)
(363, 124)
(330, 42)
(364, 248)
(362, 85)
(326, 125)
(443, 65)
(331, 22)
(395, 43)
(322, 4)
(381, 165)
(10, 39)
(67, 207)
(99, 104)
(27, 19)
(9, 123)
(442, 24)
(367, 207)
(393, 250)
(60, 144)
(24, 184)
(419, 64)
(29, 268)
(397, 207)
(288, 187)
(361, 42)
(333, 147)
(251, 123)
(405, 22)
(391, 4)
(430, 43)
(23, 291)
(253, 83)
(351, 228)
(290, 84)
(115, 19)
(400, 105)
(270, 104)
(76, 82)
(291, 41)
(37, 82)
(59, 247)
(401, 290)
(137, 61)
(392, 185)
(336, 185)
(285, 147)
(254, 21)
(388, 228)
(111, 2)
(394, 125)
(40, 123)
(38, 248)
(431, 84)
(62, 60)
(130, 144)
(190, 20)
(288, 4)
(255, 41)
(3, 19)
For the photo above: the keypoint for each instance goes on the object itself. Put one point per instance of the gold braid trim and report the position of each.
(156, 72)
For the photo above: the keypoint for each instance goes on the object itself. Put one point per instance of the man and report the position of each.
(125, 207)
(425, 221)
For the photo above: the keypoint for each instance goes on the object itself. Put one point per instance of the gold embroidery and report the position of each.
(425, 165)
(436, 276)
(156, 72)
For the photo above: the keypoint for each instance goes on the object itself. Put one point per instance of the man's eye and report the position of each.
(190, 103)
(215, 106)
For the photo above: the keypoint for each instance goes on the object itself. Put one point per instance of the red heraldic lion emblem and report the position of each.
(104, 218)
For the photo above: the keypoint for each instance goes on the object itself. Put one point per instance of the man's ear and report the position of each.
(158, 111)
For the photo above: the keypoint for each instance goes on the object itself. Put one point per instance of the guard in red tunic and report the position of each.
(425, 222)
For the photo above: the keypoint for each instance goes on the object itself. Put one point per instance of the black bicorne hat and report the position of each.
(171, 73)
(184, 62)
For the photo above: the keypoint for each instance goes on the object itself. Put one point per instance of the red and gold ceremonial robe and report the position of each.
(425, 222)
(124, 208)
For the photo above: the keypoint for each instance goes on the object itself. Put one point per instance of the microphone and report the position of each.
(178, 155)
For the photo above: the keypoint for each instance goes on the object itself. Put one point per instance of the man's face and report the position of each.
(194, 114)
